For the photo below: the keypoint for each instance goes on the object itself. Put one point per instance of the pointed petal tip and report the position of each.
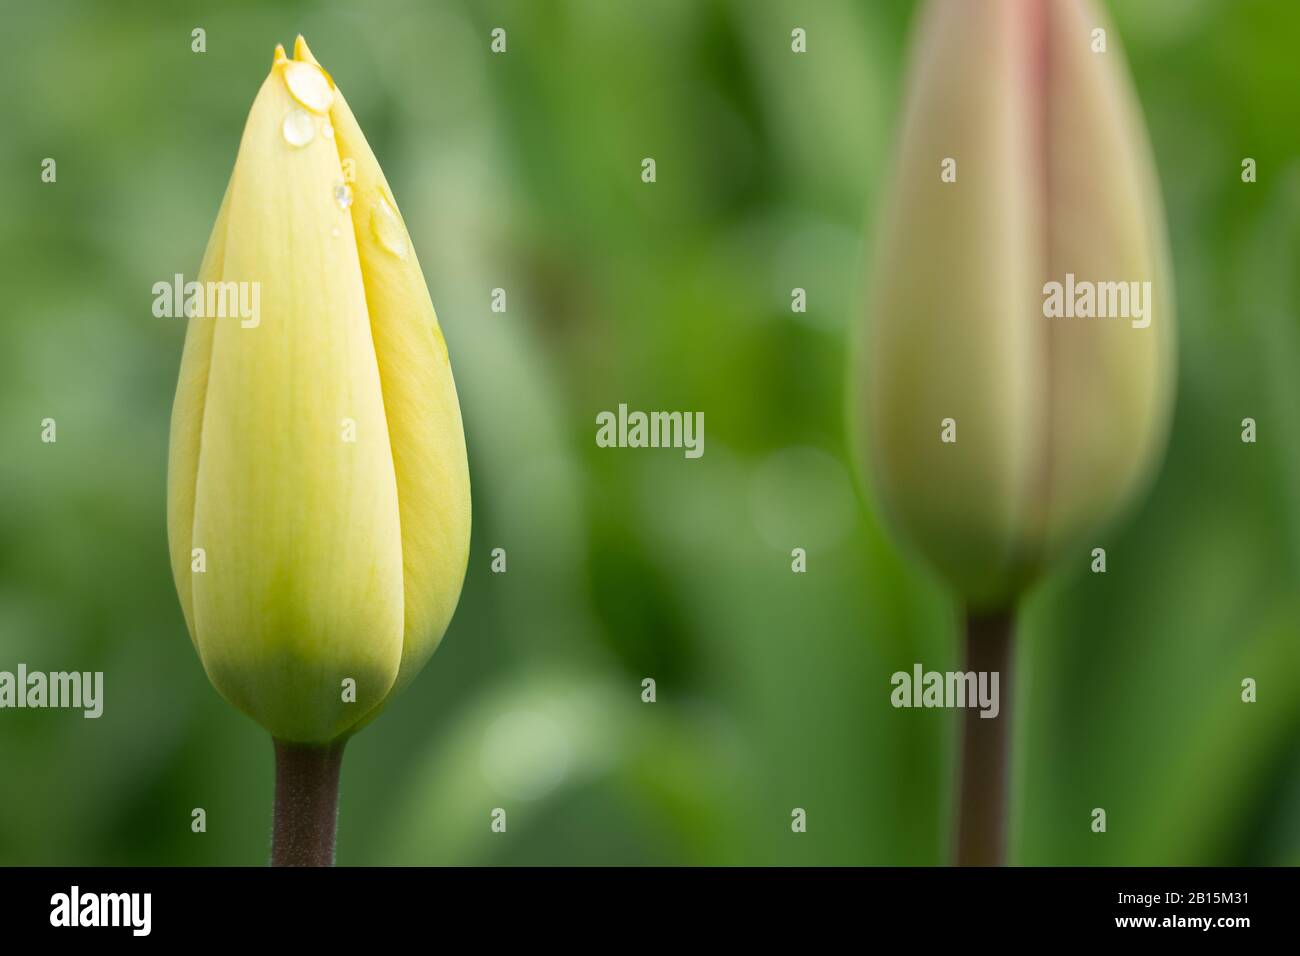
(279, 56)
(302, 52)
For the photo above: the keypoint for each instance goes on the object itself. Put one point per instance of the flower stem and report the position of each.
(982, 794)
(306, 803)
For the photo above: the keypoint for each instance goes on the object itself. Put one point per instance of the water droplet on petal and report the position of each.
(308, 85)
(388, 228)
(327, 130)
(335, 232)
(299, 127)
(343, 195)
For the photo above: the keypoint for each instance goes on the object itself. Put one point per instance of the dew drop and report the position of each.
(299, 127)
(327, 130)
(308, 85)
(343, 195)
(335, 232)
(388, 228)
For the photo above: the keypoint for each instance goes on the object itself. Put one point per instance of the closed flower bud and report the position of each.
(1016, 376)
(318, 491)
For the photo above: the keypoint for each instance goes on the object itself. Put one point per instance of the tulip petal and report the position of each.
(1058, 420)
(303, 584)
(187, 425)
(954, 287)
(318, 455)
(424, 420)
(1111, 382)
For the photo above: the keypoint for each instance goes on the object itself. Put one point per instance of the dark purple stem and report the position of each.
(306, 803)
(982, 794)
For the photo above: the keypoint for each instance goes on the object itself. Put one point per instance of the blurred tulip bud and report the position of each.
(1016, 376)
(318, 492)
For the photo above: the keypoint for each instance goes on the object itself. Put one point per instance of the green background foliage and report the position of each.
(522, 171)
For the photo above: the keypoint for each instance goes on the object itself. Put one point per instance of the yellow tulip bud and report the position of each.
(1006, 412)
(318, 491)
